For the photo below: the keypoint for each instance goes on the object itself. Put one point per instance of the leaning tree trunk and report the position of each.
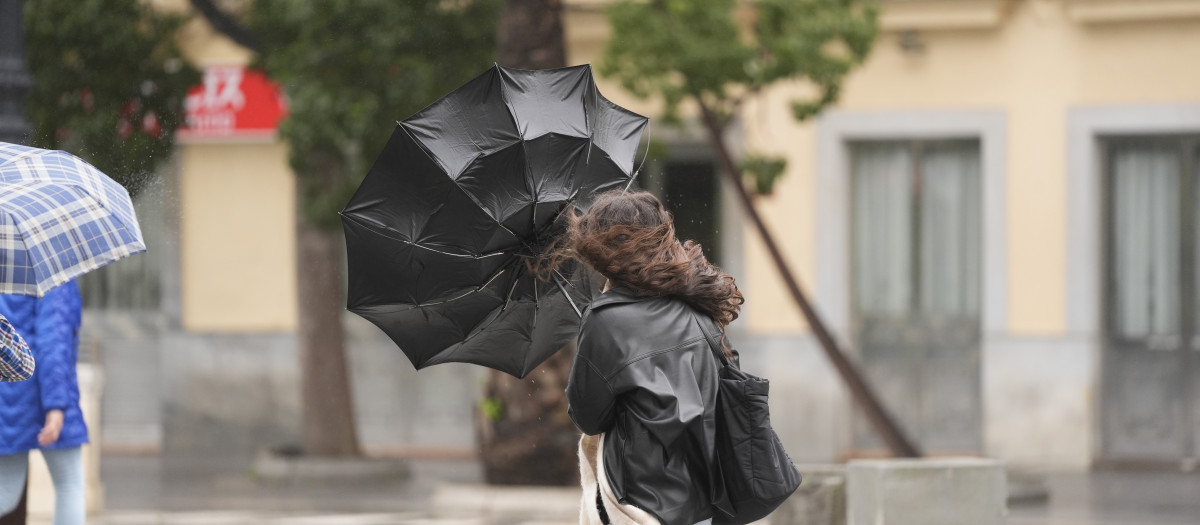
(525, 436)
(328, 410)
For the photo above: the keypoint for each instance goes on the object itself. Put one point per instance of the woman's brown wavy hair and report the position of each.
(630, 238)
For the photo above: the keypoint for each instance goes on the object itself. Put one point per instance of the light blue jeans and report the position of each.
(66, 470)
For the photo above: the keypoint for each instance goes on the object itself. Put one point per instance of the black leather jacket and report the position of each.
(645, 375)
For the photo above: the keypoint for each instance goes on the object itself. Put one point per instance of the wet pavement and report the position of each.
(1115, 498)
(134, 483)
(149, 490)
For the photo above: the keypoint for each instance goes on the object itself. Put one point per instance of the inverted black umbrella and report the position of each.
(464, 194)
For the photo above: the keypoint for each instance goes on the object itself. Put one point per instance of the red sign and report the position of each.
(233, 101)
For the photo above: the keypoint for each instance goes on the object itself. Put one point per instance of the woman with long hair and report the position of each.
(643, 385)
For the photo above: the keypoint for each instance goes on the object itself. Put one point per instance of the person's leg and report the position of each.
(66, 469)
(17, 515)
(13, 468)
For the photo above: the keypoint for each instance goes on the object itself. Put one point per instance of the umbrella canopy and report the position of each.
(60, 217)
(463, 195)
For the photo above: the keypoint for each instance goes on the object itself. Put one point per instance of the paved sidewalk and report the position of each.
(1115, 498)
(266, 518)
(154, 483)
(256, 518)
(151, 490)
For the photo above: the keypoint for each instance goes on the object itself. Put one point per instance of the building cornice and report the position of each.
(1117, 11)
(932, 15)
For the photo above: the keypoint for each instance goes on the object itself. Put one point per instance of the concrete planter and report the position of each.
(820, 500)
(949, 491)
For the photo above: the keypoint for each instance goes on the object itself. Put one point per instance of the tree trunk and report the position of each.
(532, 441)
(526, 437)
(531, 34)
(328, 418)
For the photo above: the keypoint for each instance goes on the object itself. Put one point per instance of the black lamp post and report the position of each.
(14, 86)
(14, 78)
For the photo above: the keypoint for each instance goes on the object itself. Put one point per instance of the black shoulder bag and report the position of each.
(756, 472)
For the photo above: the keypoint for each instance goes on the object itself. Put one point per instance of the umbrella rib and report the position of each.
(32, 269)
(532, 190)
(524, 148)
(587, 115)
(511, 113)
(421, 146)
(568, 296)
(641, 164)
(469, 292)
(537, 307)
(564, 279)
(372, 229)
(453, 181)
(508, 298)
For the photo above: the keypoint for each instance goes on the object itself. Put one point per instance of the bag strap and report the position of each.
(713, 346)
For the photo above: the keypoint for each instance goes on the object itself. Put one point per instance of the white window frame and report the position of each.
(836, 129)
(1085, 128)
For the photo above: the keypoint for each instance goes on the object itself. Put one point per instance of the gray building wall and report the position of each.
(199, 394)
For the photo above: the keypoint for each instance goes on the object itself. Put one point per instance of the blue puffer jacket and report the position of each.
(51, 327)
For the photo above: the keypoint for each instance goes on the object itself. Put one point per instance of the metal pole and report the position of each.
(14, 87)
(14, 78)
(860, 390)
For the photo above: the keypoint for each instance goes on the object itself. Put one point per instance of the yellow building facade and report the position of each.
(236, 196)
(967, 219)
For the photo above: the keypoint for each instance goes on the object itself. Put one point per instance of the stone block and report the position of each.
(944, 491)
(820, 500)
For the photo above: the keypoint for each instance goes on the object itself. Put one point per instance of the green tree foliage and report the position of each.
(109, 83)
(762, 171)
(352, 68)
(717, 53)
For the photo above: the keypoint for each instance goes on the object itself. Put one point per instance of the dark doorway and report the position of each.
(1151, 384)
(689, 190)
(917, 280)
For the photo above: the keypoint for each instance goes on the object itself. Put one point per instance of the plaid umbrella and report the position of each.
(59, 218)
